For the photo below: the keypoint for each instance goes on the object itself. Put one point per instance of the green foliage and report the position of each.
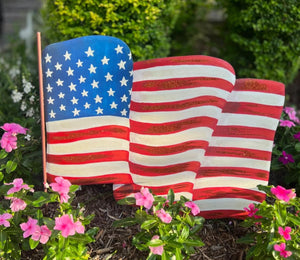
(145, 26)
(263, 38)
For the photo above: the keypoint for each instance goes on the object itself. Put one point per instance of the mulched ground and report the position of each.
(219, 236)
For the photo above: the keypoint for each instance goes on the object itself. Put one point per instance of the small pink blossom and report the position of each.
(67, 226)
(29, 227)
(164, 216)
(61, 185)
(281, 248)
(41, 234)
(287, 123)
(18, 185)
(8, 142)
(297, 136)
(3, 219)
(285, 232)
(14, 128)
(156, 250)
(283, 194)
(17, 204)
(252, 210)
(290, 111)
(144, 198)
(64, 197)
(195, 209)
(286, 158)
(79, 228)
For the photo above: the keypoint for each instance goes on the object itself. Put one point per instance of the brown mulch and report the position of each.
(113, 243)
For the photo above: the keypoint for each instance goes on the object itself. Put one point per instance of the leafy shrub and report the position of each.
(145, 26)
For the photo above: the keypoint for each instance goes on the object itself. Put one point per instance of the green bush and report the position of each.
(262, 38)
(144, 25)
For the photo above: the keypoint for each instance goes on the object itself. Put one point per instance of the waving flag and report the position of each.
(87, 86)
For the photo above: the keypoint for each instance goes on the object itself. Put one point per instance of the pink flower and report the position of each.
(287, 123)
(3, 219)
(281, 248)
(144, 198)
(17, 204)
(18, 185)
(8, 142)
(64, 197)
(156, 250)
(29, 227)
(285, 232)
(79, 228)
(286, 158)
(67, 226)
(195, 209)
(164, 216)
(291, 113)
(297, 136)
(283, 194)
(41, 234)
(14, 128)
(61, 185)
(252, 210)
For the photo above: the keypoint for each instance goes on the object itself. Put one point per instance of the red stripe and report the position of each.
(260, 85)
(163, 170)
(233, 172)
(217, 214)
(103, 179)
(71, 159)
(244, 132)
(181, 83)
(252, 109)
(172, 127)
(183, 60)
(96, 132)
(227, 192)
(178, 105)
(238, 152)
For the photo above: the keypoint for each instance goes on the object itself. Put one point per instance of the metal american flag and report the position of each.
(189, 124)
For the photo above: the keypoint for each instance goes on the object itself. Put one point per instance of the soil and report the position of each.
(113, 243)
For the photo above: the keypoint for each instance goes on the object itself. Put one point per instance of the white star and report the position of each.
(111, 92)
(119, 49)
(79, 63)
(67, 55)
(95, 84)
(74, 101)
(123, 82)
(129, 55)
(92, 69)
(131, 73)
(49, 73)
(70, 72)
(89, 52)
(84, 93)
(108, 76)
(59, 82)
(62, 107)
(76, 112)
(98, 99)
(58, 66)
(121, 64)
(81, 79)
(72, 87)
(48, 58)
(124, 98)
(49, 88)
(61, 95)
(52, 114)
(113, 105)
(87, 105)
(124, 112)
(105, 60)
(130, 91)
(99, 111)
(50, 100)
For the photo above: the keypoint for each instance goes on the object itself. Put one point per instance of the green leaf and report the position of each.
(1, 176)
(40, 198)
(185, 233)
(3, 237)
(178, 254)
(294, 219)
(247, 239)
(125, 222)
(171, 196)
(175, 244)
(155, 242)
(3, 154)
(127, 201)
(33, 244)
(280, 213)
(74, 188)
(297, 147)
(10, 166)
(194, 242)
(148, 224)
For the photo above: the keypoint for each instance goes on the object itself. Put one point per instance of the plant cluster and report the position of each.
(167, 229)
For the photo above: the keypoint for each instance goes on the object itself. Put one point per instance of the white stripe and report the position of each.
(256, 97)
(173, 95)
(199, 133)
(248, 143)
(89, 146)
(88, 170)
(85, 123)
(215, 161)
(223, 204)
(166, 160)
(171, 116)
(244, 183)
(248, 120)
(183, 71)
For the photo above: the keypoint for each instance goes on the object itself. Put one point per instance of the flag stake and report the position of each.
(39, 50)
